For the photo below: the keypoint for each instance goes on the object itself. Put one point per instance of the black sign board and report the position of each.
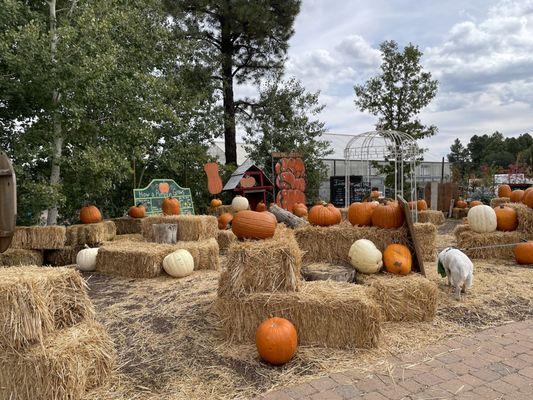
(358, 189)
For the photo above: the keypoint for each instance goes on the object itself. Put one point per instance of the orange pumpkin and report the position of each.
(164, 187)
(506, 218)
(421, 205)
(523, 253)
(397, 259)
(324, 215)
(299, 209)
(170, 206)
(375, 194)
(276, 340)
(224, 220)
(388, 215)
(253, 225)
(90, 214)
(138, 211)
(517, 196)
(261, 207)
(528, 198)
(361, 213)
(504, 191)
(216, 203)
(461, 204)
(475, 203)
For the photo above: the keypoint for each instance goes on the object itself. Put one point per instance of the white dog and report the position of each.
(459, 269)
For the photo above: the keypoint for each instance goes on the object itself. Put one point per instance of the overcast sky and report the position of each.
(481, 51)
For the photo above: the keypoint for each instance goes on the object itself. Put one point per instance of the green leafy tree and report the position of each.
(285, 119)
(245, 40)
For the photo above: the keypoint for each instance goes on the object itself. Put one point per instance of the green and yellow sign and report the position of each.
(152, 196)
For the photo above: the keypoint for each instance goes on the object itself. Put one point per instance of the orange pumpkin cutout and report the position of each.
(164, 187)
(224, 220)
(361, 213)
(214, 183)
(90, 214)
(397, 259)
(138, 211)
(170, 206)
(248, 182)
(253, 225)
(506, 218)
(276, 340)
(324, 215)
(504, 191)
(523, 253)
(388, 216)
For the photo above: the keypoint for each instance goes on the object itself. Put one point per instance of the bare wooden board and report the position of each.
(8, 202)
(418, 263)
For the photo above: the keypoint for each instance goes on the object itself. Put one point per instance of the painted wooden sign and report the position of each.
(152, 196)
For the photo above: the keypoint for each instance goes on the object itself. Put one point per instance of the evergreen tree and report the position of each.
(459, 158)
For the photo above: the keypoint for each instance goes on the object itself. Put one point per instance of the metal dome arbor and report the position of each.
(397, 147)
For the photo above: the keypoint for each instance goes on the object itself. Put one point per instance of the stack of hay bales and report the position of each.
(498, 201)
(262, 279)
(434, 216)
(218, 211)
(225, 238)
(50, 345)
(459, 213)
(127, 225)
(525, 219)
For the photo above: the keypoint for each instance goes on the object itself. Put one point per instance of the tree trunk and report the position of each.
(287, 218)
(230, 145)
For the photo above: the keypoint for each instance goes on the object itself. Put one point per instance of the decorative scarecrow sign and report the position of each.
(152, 196)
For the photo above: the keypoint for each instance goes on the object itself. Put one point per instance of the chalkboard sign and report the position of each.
(358, 189)
(152, 196)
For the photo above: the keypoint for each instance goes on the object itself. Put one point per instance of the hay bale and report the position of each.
(426, 233)
(460, 229)
(325, 313)
(225, 238)
(403, 298)
(467, 239)
(91, 234)
(127, 225)
(205, 253)
(218, 211)
(459, 213)
(271, 265)
(498, 201)
(131, 237)
(39, 237)
(433, 216)
(525, 218)
(67, 364)
(190, 227)
(62, 257)
(34, 301)
(16, 257)
(344, 213)
(331, 244)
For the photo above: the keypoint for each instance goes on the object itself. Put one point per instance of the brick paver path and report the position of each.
(496, 363)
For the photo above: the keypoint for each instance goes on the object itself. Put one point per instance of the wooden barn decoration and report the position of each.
(290, 180)
(251, 182)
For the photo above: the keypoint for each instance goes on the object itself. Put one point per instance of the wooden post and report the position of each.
(165, 233)
(286, 217)
(418, 263)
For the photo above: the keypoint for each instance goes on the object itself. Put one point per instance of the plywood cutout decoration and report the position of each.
(214, 183)
(290, 181)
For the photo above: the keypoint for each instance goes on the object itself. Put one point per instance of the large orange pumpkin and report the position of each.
(216, 203)
(361, 213)
(224, 220)
(253, 225)
(299, 209)
(324, 215)
(523, 253)
(474, 203)
(421, 205)
(90, 214)
(506, 218)
(504, 191)
(388, 215)
(170, 206)
(517, 196)
(138, 211)
(461, 204)
(276, 340)
(397, 259)
(528, 198)
(261, 207)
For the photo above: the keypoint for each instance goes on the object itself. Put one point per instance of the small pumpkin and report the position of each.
(138, 211)
(482, 219)
(170, 206)
(504, 191)
(299, 209)
(517, 196)
(224, 220)
(421, 205)
(253, 225)
(179, 263)
(276, 340)
(261, 207)
(240, 203)
(324, 215)
(461, 203)
(365, 256)
(528, 198)
(375, 194)
(506, 218)
(388, 215)
(523, 253)
(361, 213)
(164, 187)
(216, 203)
(86, 259)
(474, 203)
(90, 214)
(397, 259)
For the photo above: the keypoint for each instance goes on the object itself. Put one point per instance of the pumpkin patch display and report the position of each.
(240, 203)
(324, 215)
(216, 203)
(179, 263)
(253, 225)
(365, 256)
(300, 210)
(504, 191)
(461, 204)
(170, 206)
(517, 196)
(224, 220)
(475, 203)
(397, 259)
(276, 340)
(86, 259)
(90, 215)
(138, 211)
(482, 219)
(261, 207)
(523, 253)
(361, 213)
(506, 218)
(388, 215)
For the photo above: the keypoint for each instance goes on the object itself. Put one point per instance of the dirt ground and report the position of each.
(168, 347)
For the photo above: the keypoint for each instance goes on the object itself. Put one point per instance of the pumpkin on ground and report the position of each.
(517, 196)
(299, 209)
(224, 220)
(482, 219)
(170, 206)
(253, 225)
(179, 264)
(240, 203)
(365, 256)
(361, 213)
(461, 204)
(86, 259)
(474, 203)
(388, 215)
(523, 253)
(276, 340)
(216, 203)
(506, 218)
(397, 259)
(138, 211)
(324, 215)
(90, 214)
(528, 198)
(504, 191)
(261, 207)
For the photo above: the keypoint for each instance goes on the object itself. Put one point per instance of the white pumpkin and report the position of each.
(240, 203)
(365, 256)
(86, 259)
(482, 219)
(179, 263)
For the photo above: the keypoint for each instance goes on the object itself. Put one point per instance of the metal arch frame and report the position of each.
(399, 147)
